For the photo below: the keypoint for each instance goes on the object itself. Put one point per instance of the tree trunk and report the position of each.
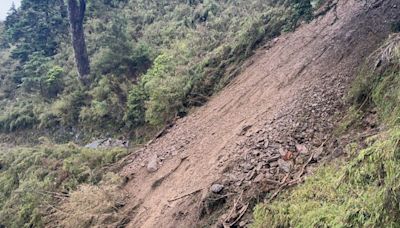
(76, 14)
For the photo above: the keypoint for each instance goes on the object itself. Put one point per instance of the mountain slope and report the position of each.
(291, 93)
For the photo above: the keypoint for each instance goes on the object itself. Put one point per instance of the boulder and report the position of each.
(152, 165)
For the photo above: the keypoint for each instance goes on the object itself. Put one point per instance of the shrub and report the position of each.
(166, 90)
(67, 108)
(52, 81)
(18, 117)
(107, 105)
(32, 179)
(90, 206)
(135, 114)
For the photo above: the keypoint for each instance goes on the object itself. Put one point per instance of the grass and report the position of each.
(33, 179)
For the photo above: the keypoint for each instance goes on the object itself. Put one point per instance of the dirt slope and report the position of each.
(290, 94)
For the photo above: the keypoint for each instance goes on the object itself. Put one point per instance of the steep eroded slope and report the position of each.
(289, 97)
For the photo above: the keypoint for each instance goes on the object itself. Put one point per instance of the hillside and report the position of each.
(150, 61)
(290, 96)
(201, 114)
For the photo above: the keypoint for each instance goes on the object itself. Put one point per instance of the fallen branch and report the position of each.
(241, 213)
(183, 196)
(303, 168)
(225, 224)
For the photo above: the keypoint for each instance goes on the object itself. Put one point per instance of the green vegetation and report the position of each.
(33, 179)
(363, 192)
(150, 60)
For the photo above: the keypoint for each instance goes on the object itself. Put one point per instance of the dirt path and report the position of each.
(291, 95)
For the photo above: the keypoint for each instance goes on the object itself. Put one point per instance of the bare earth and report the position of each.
(263, 127)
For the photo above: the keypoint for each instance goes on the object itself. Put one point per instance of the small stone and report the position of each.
(216, 188)
(259, 167)
(273, 164)
(266, 144)
(284, 165)
(152, 166)
(302, 149)
(299, 160)
(255, 152)
(248, 166)
(259, 178)
(268, 175)
(282, 151)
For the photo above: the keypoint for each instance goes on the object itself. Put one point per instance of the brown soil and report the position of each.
(263, 128)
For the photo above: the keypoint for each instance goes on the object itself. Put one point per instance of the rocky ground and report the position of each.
(264, 132)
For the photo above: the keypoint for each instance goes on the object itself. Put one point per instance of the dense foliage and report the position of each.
(362, 192)
(150, 60)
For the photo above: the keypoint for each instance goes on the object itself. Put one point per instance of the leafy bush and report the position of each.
(166, 90)
(18, 118)
(52, 82)
(68, 107)
(135, 114)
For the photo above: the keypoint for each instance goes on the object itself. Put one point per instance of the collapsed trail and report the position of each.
(262, 128)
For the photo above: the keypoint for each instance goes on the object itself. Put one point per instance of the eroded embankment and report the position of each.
(263, 129)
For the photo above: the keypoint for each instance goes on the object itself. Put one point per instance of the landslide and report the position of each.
(271, 125)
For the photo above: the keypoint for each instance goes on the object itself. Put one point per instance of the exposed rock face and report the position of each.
(107, 143)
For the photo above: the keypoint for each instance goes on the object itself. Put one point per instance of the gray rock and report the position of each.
(266, 144)
(260, 177)
(301, 148)
(255, 152)
(273, 164)
(269, 176)
(284, 165)
(247, 166)
(300, 160)
(95, 144)
(216, 188)
(152, 166)
(107, 143)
